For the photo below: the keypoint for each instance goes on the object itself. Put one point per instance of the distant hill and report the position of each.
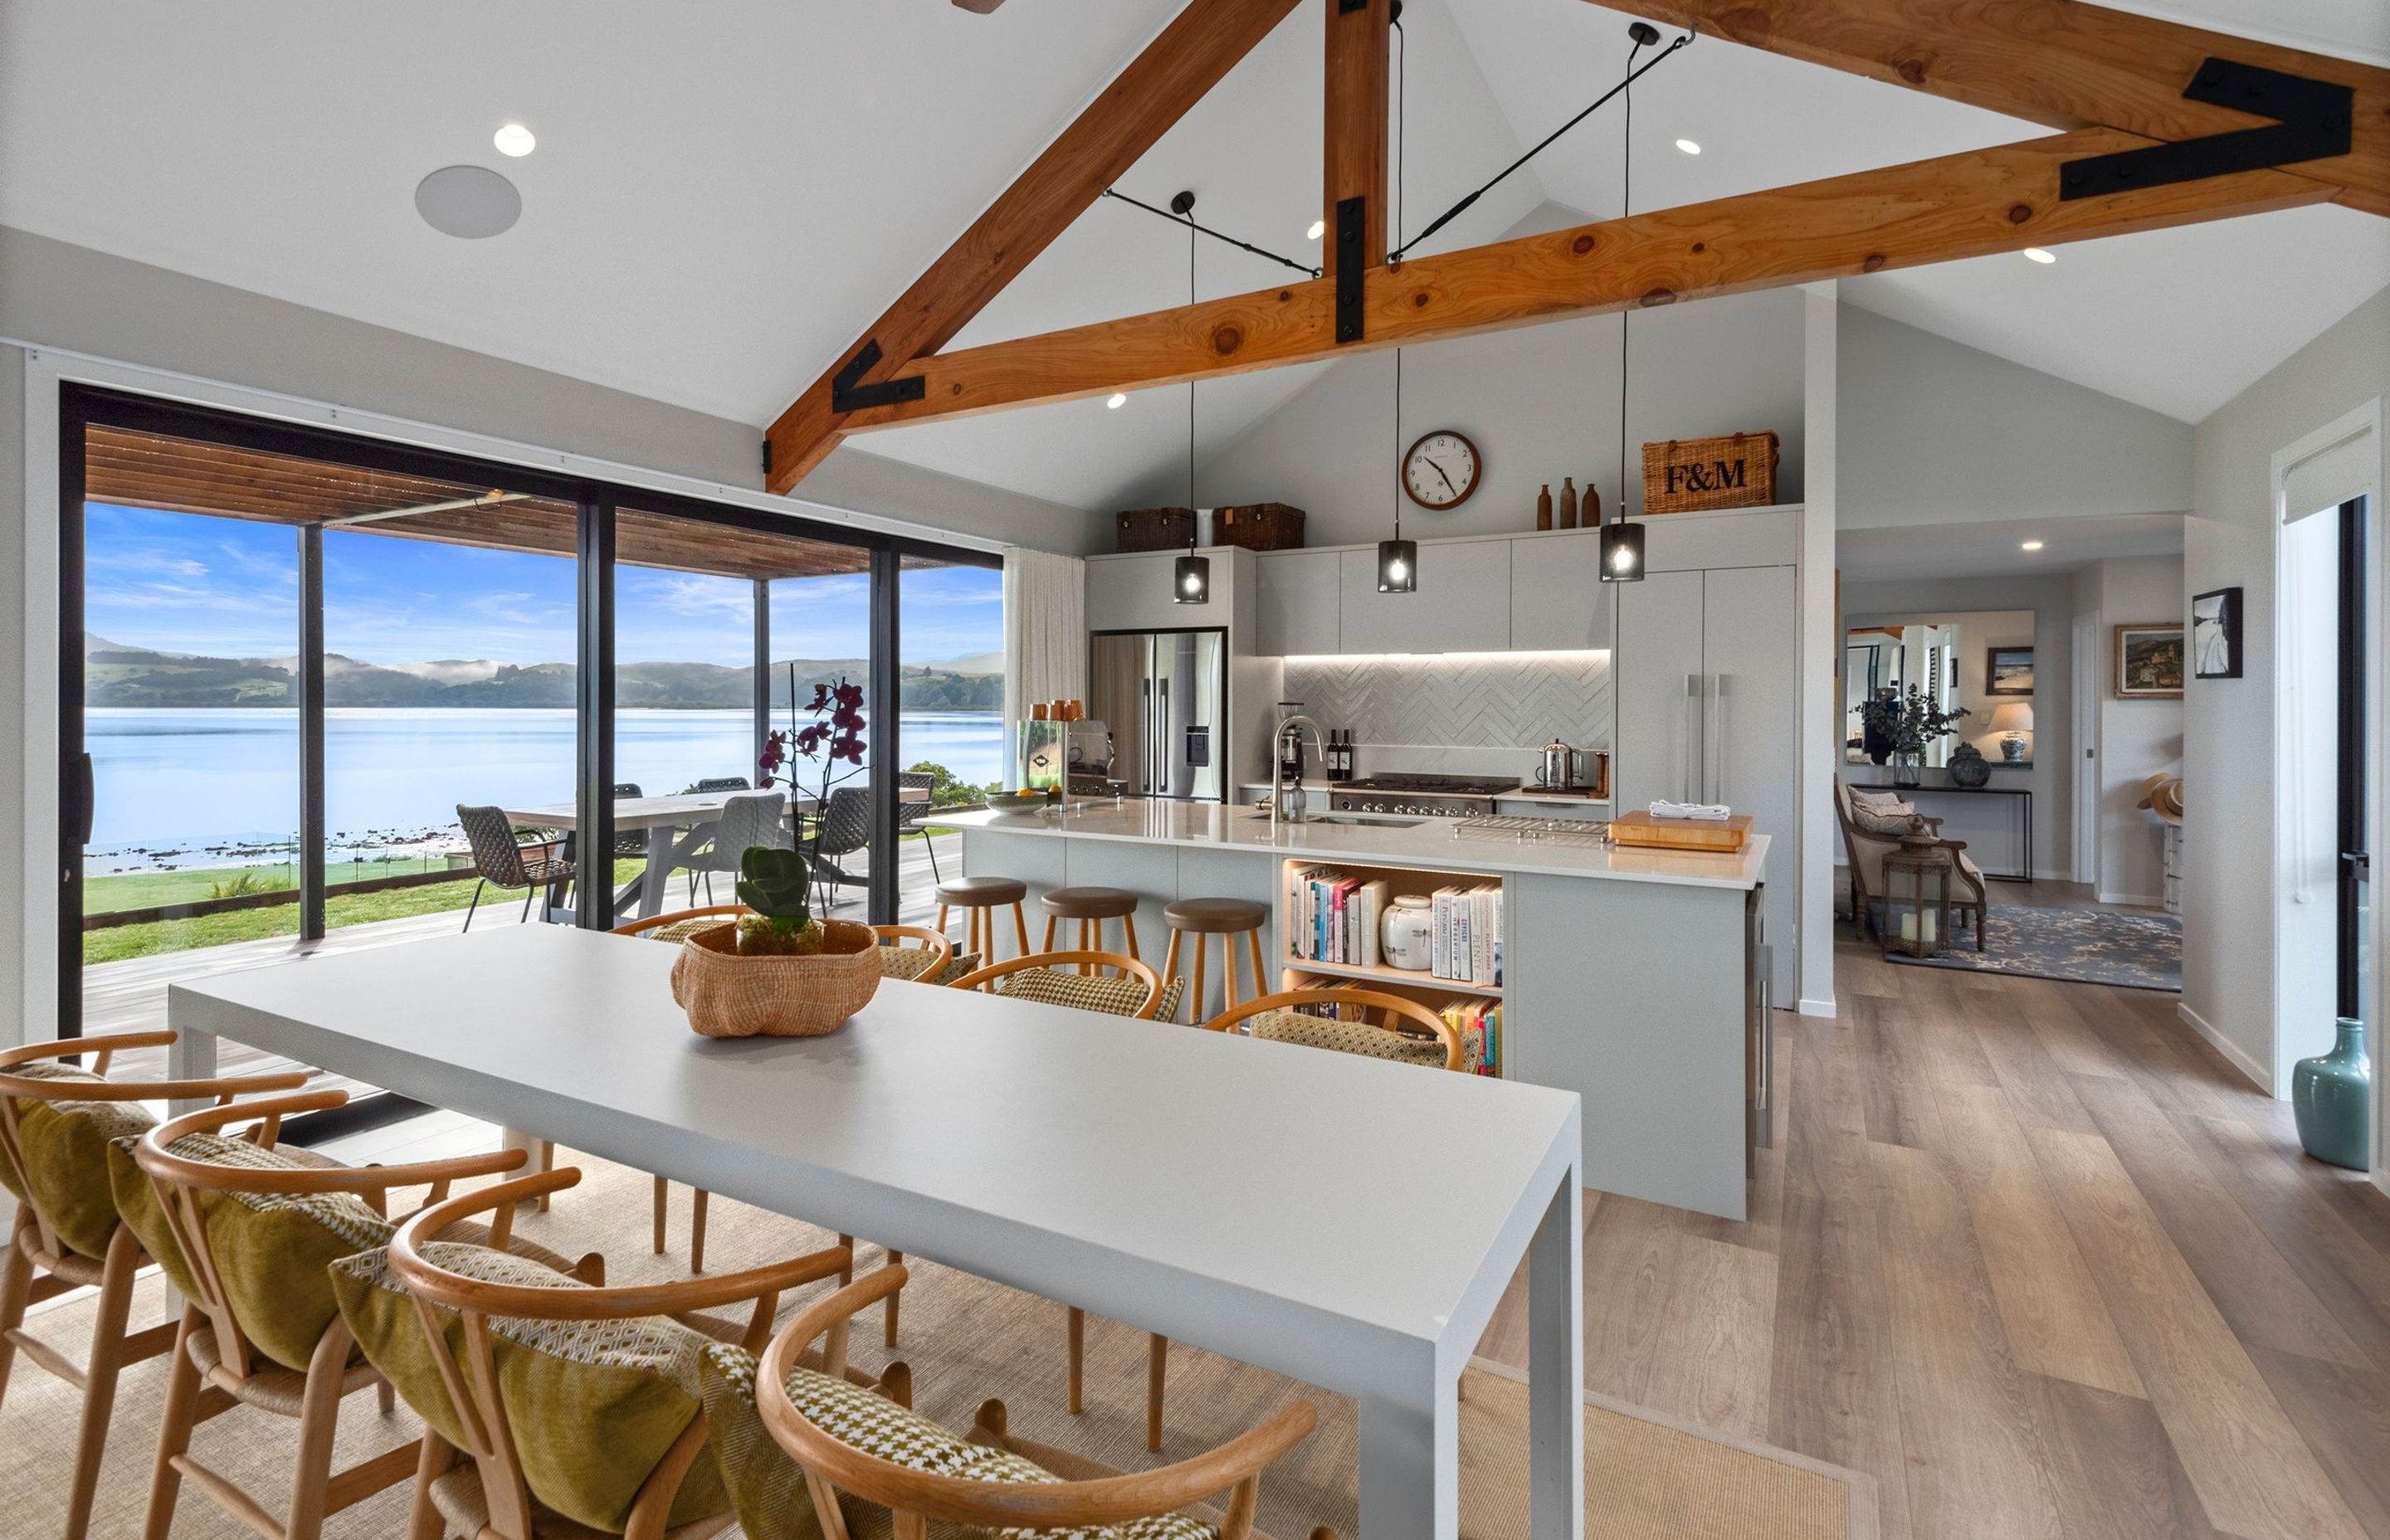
(117, 675)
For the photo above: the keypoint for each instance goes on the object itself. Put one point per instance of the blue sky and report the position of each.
(225, 587)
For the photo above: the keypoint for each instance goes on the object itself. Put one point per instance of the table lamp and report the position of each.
(2013, 720)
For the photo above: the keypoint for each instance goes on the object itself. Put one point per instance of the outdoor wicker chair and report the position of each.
(498, 859)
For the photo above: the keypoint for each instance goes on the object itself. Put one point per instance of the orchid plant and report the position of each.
(784, 921)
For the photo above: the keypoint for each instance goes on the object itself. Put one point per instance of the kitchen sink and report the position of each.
(1359, 820)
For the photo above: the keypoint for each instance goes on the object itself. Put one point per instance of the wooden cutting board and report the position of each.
(1643, 831)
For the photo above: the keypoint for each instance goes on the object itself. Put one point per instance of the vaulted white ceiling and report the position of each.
(722, 197)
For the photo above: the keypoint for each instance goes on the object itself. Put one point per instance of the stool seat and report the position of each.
(1089, 903)
(983, 893)
(1216, 916)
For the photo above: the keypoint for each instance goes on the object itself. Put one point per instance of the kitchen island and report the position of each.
(1633, 978)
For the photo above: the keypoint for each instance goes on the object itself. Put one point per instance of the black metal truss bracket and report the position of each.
(2312, 121)
(846, 396)
(1352, 260)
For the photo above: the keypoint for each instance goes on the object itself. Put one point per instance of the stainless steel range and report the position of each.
(1427, 796)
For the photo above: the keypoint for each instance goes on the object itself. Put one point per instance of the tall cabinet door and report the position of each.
(1749, 725)
(1657, 672)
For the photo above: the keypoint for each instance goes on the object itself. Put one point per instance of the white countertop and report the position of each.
(1423, 843)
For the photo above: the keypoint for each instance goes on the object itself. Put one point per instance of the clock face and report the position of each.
(1442, 470)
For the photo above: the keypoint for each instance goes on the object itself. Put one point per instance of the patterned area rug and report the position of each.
(2092, 946)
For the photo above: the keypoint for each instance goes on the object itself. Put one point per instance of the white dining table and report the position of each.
(674, 826)
(1349, 1221)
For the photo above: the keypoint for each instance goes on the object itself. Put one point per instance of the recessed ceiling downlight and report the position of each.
(1117, 400)
(469, 203)
(2031, 546)
(1318, 228)
(1689, 146)
(2036, 253)
(515, 140)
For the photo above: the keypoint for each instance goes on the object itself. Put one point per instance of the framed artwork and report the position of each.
(2149, 662)
(2008, 670)
(2215, 634)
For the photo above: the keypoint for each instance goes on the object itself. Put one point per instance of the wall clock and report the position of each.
(1442, 470)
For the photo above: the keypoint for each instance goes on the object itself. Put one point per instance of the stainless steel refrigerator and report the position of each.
(1164, 695)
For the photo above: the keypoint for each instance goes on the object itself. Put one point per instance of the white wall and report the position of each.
(1936, 433)
(2231, 886)
(12, 682)
(2137, 738)
(1984, 609)
(1540, 403)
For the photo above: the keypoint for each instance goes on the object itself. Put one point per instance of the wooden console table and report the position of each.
(2024, 793)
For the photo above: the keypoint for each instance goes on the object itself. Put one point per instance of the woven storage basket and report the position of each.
(1736, 470)
(729, 995)
(1154, 529)
(1259, 527)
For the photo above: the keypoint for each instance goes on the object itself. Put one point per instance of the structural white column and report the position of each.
(1820, 736)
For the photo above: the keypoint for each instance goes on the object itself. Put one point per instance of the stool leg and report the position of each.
(1261, 986)
(1128, 926)
(1198, 1011)
(663, 1190)
(1170, 959)
(895, 1259)
(1157, 1351)
(1078, 1352)
(942, 919)
(697, 1231)
(1021, 925)
(1046, 943)
(1229, 995)
(1087, 936)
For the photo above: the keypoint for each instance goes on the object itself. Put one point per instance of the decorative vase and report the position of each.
(2013, 749)
(1408, 933)
(1969, 767)
(1908, 767)
(2329, 1096)
(1544, 507)
(731, 996)
(1589, 511)
(1568, 502)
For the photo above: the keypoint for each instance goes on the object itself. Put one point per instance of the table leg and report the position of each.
(657, 879)
(192, 1056)
(1556, 1367)
(1411, 1463)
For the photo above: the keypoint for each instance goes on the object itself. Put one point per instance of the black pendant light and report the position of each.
(1399, 559)
(1622, 543)
(1190, 581)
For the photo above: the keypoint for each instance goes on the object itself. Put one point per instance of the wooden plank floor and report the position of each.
(2034, 1256)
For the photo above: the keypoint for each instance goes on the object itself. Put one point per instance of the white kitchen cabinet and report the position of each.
(1132, 593)
(1558, 600)
(1708, 710)
(1705, 542)
(1462, 603)
(1302, 603)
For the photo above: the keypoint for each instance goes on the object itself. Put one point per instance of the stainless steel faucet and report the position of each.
(1292, 810)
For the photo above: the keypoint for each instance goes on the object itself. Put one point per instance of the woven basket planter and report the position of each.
(729, 995)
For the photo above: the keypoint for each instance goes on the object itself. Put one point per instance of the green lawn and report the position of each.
(118, 890)
(122, 942)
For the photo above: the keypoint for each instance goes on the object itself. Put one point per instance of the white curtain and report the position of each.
(1045, 636)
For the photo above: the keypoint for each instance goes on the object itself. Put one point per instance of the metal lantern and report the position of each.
(1916, 901)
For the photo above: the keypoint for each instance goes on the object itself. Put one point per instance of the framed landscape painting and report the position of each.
(2149, 662)
(2008, 670)
(2215, 634)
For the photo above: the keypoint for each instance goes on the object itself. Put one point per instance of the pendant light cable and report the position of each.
(1190, 397)
(1625, 207)
(1402, 135)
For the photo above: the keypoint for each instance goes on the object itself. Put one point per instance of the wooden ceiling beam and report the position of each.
(1355, 128)
(2057, 62)
(1190, 56)
(1976, 203)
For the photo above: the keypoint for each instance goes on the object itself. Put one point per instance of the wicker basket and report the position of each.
(729, 995)
(1259, 527)
(1154, 529)
(1735, 471)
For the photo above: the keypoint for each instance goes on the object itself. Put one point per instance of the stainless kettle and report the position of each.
(1558, 766)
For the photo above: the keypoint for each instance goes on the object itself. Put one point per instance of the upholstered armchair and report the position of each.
(1874, 825)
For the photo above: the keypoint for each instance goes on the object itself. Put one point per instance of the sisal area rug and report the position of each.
(2092, 946)
(1646, 1477)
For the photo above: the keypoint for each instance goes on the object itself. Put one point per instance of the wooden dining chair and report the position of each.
(1137, 992)
(1433, 1040)
(927, 960)
(57, 1123)
(248, 1234)
(479, 1396)
(880, 1452)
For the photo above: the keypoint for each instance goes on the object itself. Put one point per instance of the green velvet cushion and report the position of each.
(592, 1404)
(270, 1250)
(66, 1155)
(767, 1489)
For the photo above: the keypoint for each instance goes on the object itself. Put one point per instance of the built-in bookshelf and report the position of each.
(1312, 920)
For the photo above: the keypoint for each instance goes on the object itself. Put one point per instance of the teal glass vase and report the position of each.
(2330, 1094)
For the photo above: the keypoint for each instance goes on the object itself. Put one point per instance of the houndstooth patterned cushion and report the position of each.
(874, 1425)
(681, 930)
(345, 1214)
(1113, 996)
(1353, 1037)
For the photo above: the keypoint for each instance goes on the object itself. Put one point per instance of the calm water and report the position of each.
(184, 781)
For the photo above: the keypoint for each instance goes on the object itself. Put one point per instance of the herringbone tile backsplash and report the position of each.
(1460, 702)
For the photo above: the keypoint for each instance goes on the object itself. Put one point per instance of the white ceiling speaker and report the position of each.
(469, 203)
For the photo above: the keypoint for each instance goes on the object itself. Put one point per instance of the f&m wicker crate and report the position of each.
(1736, 470)
(1259, 527)
(1154, 529)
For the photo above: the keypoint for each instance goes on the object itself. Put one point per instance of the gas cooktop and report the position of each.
(1433, 786)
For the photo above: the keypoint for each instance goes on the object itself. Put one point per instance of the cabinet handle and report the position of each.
(1714, 742)
(1687, 723)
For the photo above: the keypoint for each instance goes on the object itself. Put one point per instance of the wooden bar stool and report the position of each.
(983, 896)
(1217, 917)
(1090, 907)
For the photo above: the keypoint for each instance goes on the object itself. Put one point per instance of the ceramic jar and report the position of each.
(2329, 1096)
(1408, 932)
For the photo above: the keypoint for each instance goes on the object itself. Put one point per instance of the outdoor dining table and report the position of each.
(1351, 1223)
(675, 826)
